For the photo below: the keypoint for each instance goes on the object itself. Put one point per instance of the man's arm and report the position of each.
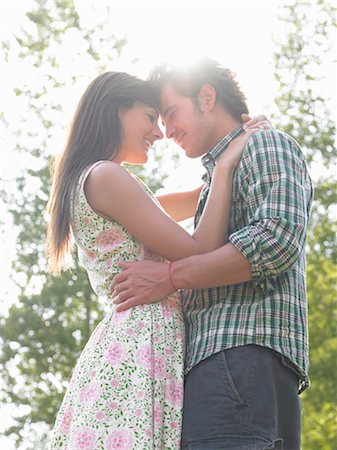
(148, 281)
(180, 205)
(277, 190)
(221, 267)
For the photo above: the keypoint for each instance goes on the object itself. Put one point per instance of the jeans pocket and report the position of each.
(277, 445)
(229, 381)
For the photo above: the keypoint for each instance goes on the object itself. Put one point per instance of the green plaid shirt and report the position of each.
(272, 196)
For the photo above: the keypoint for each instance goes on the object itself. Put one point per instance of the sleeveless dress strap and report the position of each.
(87, 171)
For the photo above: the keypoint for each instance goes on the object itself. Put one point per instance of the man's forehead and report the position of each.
(168, 98)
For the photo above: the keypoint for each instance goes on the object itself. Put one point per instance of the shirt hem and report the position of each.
(304, 381)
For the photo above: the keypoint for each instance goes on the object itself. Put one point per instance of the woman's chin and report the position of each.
(137, 161)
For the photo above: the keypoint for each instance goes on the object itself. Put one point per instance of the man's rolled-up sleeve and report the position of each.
(275, 187)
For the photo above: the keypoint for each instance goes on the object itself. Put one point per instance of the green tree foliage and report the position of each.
(47, 327)
(303, 60)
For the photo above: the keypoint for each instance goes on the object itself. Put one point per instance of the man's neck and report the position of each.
(223, 126)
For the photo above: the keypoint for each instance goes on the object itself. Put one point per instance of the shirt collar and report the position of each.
(210, 159)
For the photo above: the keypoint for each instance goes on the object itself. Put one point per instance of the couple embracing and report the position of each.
(205, 345)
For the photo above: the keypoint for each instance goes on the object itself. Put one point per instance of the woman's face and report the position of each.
(141, 130)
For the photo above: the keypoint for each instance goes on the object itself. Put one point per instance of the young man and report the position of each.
(245, 303)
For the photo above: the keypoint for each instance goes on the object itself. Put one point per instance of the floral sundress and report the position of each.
(126, 391)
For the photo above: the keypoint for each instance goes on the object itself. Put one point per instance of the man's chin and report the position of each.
(191, 153)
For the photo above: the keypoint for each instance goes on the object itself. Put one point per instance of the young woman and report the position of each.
(126, 390)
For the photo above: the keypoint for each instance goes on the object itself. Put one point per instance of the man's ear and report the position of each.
(207, 98)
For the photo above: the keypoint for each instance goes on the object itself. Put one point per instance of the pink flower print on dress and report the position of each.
(148, 432)
(140, 394)
(159, 366)
(174, 392)
(100, 415)
(169, 351)
(109, 240)
(116, 354)
(120, 317)
(89, 393)
(144, 356)
(130, 332)
(157, 414)
(121, 440)
(66, 420)
(166, 310)
(138, 412)
(113, 406)
(141, 324)
(180, 336)
(101, 331)
(84, 439)
(114, 383)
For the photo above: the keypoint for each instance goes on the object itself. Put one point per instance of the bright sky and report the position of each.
(237, 33)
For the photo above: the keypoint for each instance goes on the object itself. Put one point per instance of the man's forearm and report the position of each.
(145, 282)
(223, 266)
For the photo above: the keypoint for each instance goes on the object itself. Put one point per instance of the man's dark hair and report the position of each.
(206, 71)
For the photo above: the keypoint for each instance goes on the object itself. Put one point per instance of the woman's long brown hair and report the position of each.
(96, 134)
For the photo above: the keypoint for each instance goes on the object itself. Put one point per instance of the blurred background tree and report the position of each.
(307, 113)
(46, 328)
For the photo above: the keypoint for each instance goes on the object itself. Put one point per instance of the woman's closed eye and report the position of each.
(153, 115)
(152, 118)
(172, 115)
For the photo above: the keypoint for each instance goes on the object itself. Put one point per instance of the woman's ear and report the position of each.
(207, 98)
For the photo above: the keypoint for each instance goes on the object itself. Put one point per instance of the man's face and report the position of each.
(188, 126)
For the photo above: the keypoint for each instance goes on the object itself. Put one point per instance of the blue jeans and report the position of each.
(243, 398)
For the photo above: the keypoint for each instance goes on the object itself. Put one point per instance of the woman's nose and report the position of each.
(157, 133)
